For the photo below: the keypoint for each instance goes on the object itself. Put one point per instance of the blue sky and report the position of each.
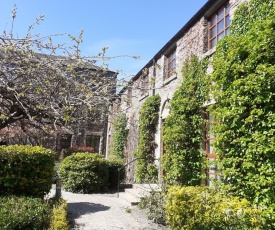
(127, 27)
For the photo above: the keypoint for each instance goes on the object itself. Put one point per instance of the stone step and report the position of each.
(137, 192)
(130, 199)
(147, 187)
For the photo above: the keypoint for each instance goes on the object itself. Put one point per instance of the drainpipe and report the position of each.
(154, 75)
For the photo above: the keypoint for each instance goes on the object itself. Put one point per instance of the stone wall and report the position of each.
(193, 40)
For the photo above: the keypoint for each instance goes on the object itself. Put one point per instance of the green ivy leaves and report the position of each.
(148, 118)
(244, 92)
(183, 157)
(119, 136)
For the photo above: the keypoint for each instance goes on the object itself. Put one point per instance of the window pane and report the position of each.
(227, 9)
(213, 32)
(220, 36)
(227, 32)
(93, 141)
(174, 55)
(213, 43)
(220, 26)
(221, 14)
(173, 64)
(227, 21)
(213, 20)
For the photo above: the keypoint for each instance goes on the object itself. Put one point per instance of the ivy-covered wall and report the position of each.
(244, 92)
(146, 170)
(119, 136)
(183, 155)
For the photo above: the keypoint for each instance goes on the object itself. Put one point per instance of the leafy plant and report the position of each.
(24, 213)
(204, 208)
(59, 215)
(244, 92)
(183, 158)
(84, 173)
(119, 136)
(148, 117)
(155, 206)
(26, 170)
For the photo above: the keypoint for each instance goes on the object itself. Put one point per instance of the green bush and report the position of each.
(84, 173)
(113, 166)
(26, 170)
(204, 208)
(75, 149)
(59, 216)
(24, 213)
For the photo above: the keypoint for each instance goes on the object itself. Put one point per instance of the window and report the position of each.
(170, 64)
(93, 141)
(219, 26)
(65, 141)
(144, 85)
(208, 146)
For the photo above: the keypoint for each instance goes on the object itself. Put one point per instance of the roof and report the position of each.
(202, 11)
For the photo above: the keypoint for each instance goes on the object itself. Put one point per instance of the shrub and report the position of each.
(155, 207)
(84, 173)
(75, 149)
(204, 208)
(113, 166)
(23, 213)
(59, 216)
(26, 170)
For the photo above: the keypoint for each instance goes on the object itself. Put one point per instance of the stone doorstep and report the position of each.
(132, 200)
(147, 187)
(139, 191)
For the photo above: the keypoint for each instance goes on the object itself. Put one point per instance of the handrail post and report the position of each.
(118, 172)
(118, 181)
(58, 188)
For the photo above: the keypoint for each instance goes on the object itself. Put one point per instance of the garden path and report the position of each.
(105, 212)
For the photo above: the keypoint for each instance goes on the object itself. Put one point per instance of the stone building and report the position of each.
(162, 74)
(89, 131)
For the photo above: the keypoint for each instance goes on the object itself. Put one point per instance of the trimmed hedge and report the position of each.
(84, 173)
(90, 173)
(204, 208)
(24, 213)
(26, 170)
(59, 216)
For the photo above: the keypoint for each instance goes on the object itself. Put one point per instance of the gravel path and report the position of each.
(105, 212)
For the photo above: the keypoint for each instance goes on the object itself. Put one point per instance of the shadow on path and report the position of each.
(82, 208)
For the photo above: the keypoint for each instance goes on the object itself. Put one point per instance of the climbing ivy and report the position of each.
(244, 91)
(119, 136)
(183, 157)
(146, 170)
